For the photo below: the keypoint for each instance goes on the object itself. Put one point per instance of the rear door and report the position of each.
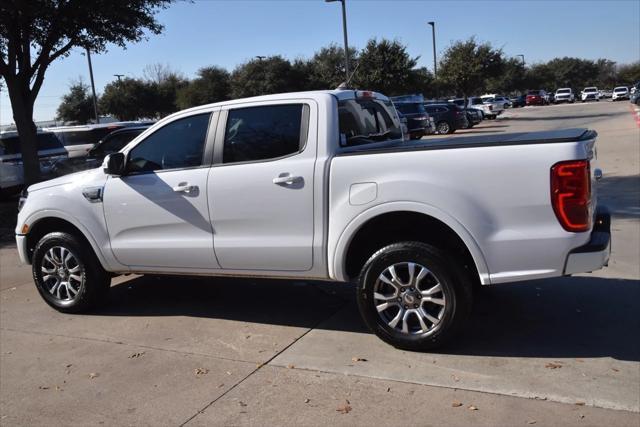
(261, 187)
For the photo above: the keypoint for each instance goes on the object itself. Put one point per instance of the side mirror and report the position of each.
(114, 164)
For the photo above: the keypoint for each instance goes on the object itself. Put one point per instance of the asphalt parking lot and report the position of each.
(219, 351)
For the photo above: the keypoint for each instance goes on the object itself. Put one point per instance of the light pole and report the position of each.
(522, 56)
(344, 29)
(119, 76)
(433, 34)
(93, 87)
(260, 57)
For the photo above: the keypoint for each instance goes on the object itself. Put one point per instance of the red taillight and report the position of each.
(571, 194)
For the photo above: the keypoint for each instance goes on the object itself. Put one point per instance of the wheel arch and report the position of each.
(357, 235)
(52, 221)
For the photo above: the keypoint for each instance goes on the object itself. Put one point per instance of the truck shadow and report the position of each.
(556, 318)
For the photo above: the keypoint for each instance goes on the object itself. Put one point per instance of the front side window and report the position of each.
(179, 144)
(262, 133)
(114, 143)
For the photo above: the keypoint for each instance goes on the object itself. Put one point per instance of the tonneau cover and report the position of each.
(473, 141)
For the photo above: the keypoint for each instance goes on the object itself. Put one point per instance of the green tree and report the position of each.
(326, 68)
(466, 65)
(511, 79)
(386, 67)
(263, 76)
(628, 74)
(35, 33)
(213, 84)
(129, 99)
(77, 104)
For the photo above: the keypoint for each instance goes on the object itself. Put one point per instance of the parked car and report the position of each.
(320, 185)
(518, 101)
(50, 149)
(620, 92)
(112, 143)
(634, 98)
(79, 140)
(490, 110)
(474, 115)
(590, 94)
(564, 94)
(605, 93)
(419, 123)
(536, 97)
(448, 117)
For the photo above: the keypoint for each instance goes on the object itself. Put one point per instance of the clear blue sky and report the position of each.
(227, 33)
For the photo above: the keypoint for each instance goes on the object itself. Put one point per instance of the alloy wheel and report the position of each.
(63, 274)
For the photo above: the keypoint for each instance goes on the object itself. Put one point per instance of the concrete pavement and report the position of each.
(214, 351)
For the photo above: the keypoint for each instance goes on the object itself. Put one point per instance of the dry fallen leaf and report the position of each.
(388, 389)
(229, 373)
(44, 387)
(456, 404)
(552, 365)
(580, 403)
(93, 375)
(455, 378)
(472, 408)
(290, 366)
(201, 371)
(307, 400)
(531, 422)
(344, 409)
(615, 370)
(358, 359)
(242, 403)
(136, 355)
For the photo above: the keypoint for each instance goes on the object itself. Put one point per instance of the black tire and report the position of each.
(456, 291)
(442, 127)
(95, 282)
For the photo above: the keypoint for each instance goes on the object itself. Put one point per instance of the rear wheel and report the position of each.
(443, 127)
(412, 297)
(67, 273)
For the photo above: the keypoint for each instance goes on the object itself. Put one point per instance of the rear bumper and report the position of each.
(595, 254)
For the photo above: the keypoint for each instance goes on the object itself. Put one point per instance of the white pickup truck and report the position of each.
(320, 185)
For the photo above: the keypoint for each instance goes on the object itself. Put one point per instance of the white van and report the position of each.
(50, 150)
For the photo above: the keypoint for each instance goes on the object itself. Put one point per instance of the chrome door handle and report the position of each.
(286, 179)
(183, 187)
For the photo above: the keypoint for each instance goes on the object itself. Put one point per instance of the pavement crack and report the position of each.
(260, 366)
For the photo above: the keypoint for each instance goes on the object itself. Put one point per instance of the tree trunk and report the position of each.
(22, 107)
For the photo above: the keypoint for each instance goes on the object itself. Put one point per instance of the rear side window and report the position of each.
(363, 121)
(10, 145)
(49, 141)
(115, 143)
(410, 108)
(179, 144)
(84, 136)
(263, 133)
(46, 141)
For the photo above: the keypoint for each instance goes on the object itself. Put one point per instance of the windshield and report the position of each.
(363, 121)
(620, 89)
(410, 108)
(563, 91)
(46, 141)
(591, 89)
(533, 92)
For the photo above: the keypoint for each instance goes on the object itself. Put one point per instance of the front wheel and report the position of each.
(412, 297)
(67, 273)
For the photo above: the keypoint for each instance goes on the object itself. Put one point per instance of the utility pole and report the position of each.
(93, 87)
(344, 30)
(522, 56)
(119, 76)
(260, 57)
(433, 35)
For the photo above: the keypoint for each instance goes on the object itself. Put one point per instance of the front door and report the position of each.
(261, 188)
(157, 214)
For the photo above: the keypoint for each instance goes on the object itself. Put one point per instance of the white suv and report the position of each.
(590, 94)
(564, 94)
(621, 92)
